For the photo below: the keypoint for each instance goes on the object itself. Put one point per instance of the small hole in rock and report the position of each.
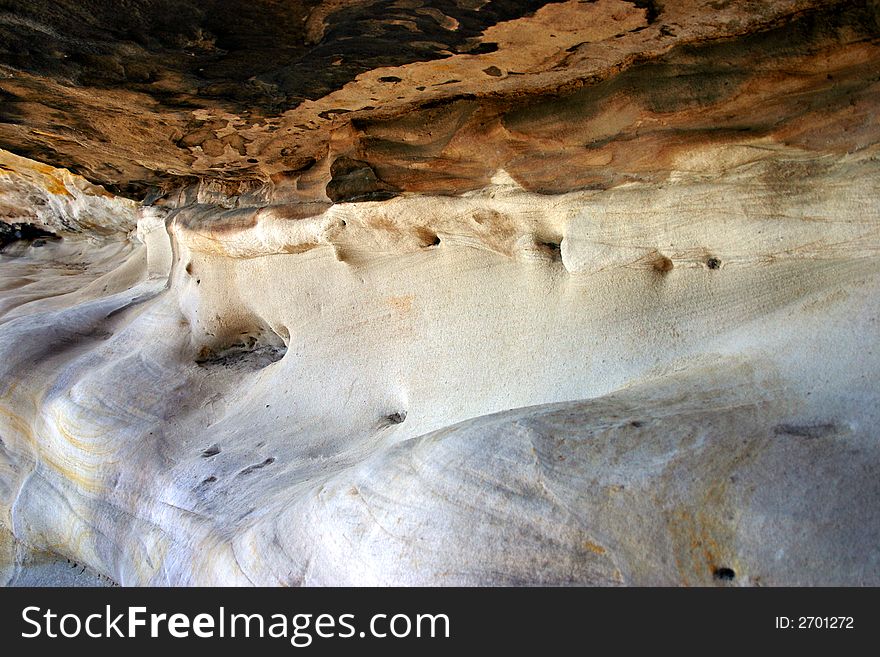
(396, 418)
(189, 268)
(209, 480)
(723, 574)
(663, 265)
(713, 263)
(427, 237)
(551, 248)
(213, 450)
(637, 424)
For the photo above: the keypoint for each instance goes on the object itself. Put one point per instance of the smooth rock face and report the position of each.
(546, 293)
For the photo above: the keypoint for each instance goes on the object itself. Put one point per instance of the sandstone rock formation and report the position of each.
(448, 292)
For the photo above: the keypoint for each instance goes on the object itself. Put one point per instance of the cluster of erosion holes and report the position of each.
(214, 450)
(663, 264)
(211, 451)
(82, 569)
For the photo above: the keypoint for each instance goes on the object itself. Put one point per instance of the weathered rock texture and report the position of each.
(461, 292)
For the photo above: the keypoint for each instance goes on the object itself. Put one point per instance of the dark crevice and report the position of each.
(551, 248)
(246, 355)
(808, 431)
(652, 9)
(257, 466)
(21, 232)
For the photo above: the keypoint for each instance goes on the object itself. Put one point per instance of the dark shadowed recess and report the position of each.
(252, 55)
(20, 232)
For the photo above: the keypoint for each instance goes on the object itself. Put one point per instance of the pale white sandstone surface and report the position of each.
(555, 390)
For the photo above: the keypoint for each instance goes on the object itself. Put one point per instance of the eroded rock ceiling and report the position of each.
(430, 97)
(448, 292)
